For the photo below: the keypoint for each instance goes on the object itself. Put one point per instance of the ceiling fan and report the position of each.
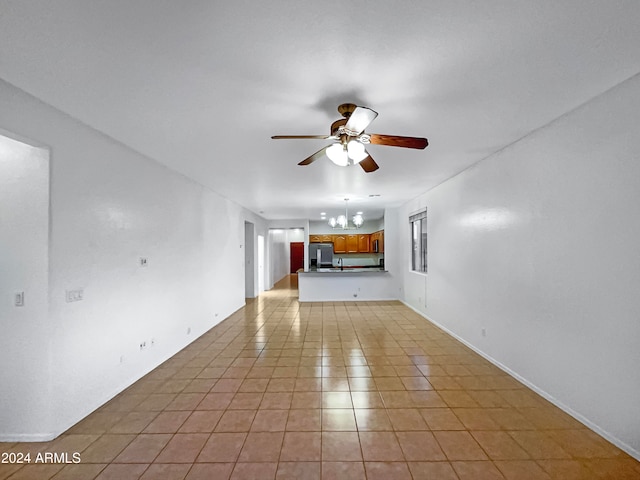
(350, 139)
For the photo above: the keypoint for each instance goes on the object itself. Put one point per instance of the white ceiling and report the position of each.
(202, 85)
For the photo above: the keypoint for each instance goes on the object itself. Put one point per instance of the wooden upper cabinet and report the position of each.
(352, 243)
(356, 243)
(379, 236)
(364, 243)
(339, 244)
(320, 238)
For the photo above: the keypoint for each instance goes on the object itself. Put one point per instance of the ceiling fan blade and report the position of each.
(314, 157)
(284, 137)
(360, 119)
(369, 165)
(397, 141)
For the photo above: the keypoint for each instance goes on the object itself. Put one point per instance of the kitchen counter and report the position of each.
(348, 284)
(348, 269)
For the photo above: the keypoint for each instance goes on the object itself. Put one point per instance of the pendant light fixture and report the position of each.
(342, 221)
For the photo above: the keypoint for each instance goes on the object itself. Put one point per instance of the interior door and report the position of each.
(296, 256)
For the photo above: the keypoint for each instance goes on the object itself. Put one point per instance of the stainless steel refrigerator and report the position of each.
(321, 254)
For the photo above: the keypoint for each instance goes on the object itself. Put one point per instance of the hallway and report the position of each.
(327, 391)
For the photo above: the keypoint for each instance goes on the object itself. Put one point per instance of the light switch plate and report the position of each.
(19, 299)
(74, 295)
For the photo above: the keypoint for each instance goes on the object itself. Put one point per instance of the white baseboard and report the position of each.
(582, 419)
(29, 437)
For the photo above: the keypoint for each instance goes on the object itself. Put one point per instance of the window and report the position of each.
(419, 241)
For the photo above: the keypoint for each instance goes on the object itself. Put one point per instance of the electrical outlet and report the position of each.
(188, 330)
(74, 295)
(484, 332)
(19, 299)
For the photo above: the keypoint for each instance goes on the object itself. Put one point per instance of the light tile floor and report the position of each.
(291, 390)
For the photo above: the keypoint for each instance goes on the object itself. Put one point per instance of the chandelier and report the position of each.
(342, 221)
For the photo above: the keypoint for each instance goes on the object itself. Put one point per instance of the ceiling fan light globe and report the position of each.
(333, 222)
(338, 155)
(342, 221)
(358, 220)
(356, 151)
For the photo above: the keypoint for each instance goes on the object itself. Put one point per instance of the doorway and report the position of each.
(249, 275)
(296, 256)
(24, 290)
(260, 264)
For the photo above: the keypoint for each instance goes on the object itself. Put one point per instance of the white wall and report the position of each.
(394, 224)
(317, 227)
(295, 235)
(278, 256)
(109, 206)
(539, 245)
(24, 240)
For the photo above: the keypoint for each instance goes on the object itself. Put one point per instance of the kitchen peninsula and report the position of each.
(349, 284)
(346, 267)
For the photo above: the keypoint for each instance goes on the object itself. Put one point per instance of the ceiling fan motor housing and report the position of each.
(346, 109)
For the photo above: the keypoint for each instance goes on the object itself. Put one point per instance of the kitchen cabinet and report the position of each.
(320, 238)
(375, 236)
(352, 243)
(379, 236)
(364, 243)
(339, 244)
(355, 243)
